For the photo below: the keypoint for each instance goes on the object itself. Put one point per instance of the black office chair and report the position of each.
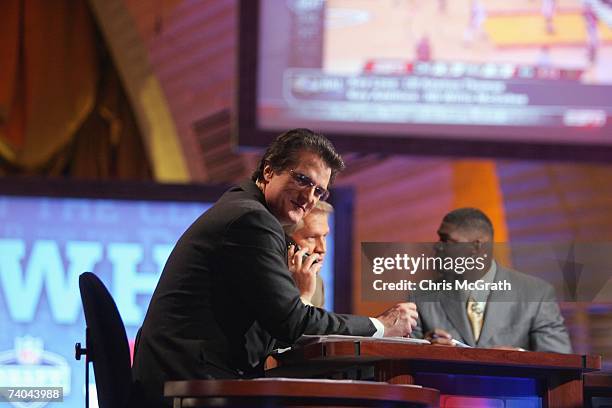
(106, 346)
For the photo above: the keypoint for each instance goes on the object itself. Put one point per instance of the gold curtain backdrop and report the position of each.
(62, 106)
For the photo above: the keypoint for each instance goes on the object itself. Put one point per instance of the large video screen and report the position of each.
(487, 71)
(50, 233)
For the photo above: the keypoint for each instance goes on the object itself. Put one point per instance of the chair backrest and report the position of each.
(107, 344)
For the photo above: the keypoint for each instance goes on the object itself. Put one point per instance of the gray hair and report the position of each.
(321, 207)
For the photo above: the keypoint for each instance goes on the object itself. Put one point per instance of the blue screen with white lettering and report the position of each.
(46, 243)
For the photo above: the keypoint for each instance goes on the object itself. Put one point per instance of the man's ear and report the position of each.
(482, 246)
(267, 173)
(477, 245)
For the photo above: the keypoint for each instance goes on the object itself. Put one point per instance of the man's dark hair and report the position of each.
(283, 153)
(470, 219)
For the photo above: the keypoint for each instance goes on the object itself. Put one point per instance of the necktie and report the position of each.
(475, 312)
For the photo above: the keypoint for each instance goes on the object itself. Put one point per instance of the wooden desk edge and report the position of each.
(290, 388)
(598, 380)
(375, 350)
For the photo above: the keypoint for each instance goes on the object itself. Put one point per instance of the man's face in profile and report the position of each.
(313, 233)
(287, 199)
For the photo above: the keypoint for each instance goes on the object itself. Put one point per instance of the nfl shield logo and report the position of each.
(29, 365)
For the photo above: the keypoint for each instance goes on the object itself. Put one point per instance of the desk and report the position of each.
(544, 379)
(598, 389)
(292, 392)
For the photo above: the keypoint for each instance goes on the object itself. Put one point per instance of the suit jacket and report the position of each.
(226, 272)
(526, 317)
(260, 342)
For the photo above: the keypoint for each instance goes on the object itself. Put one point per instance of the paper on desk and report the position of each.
(307, 339)
(331, 381)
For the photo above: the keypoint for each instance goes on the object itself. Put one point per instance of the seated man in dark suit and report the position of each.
(307, 244)
(229, 271)
(526, 317)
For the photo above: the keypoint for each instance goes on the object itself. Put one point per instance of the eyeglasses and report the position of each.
(304, 181)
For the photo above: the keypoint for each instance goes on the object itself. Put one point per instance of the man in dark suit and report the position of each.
(306, 239)
(525, 317)
(229, 271)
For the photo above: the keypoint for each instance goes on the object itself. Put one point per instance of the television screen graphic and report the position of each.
(537, 71)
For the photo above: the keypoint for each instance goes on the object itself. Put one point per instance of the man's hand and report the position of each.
(440, 337)
(304, 272)
(399, 320)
